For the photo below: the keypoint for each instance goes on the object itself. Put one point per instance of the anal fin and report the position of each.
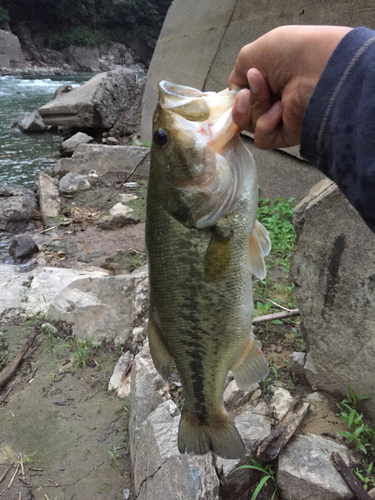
(252, 366)
(160, 354)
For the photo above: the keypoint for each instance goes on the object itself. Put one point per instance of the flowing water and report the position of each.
(22, 156)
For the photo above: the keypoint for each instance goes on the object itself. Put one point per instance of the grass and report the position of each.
(268, 474)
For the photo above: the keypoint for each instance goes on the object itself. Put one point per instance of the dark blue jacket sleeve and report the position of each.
(338, 132)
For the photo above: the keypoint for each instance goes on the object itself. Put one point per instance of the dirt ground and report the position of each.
(57, 417)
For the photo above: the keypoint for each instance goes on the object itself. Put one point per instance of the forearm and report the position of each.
(338, 132)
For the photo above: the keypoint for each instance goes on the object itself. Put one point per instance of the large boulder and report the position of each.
(105, 308)
(102, 58)
(11, 55)
(49, 198)
(103, 159)
(31, 121)
(95, 104)
(68, 147)
(334, 282)
(17, 204)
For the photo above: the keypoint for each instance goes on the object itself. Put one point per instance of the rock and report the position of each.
(148, 391)
(95, 104)
(23, 247)
(120, 209)
(11, 55)
(281, 400)
(49, 199)
(63, 89)
(160, 471)
(296, 364)
(101, 58)
(104, 308)
(73, 182)
(68, 147)
(116, 221)
(30, 122)
(125, 197)
(305, 471)
(23, 294)
(106, 159)
(112, 140)
(372, 493)
(121, 377)
(334, 285)
(17, 203)
(234, 397)
(254, 425)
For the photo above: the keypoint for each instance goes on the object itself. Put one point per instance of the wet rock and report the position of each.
(49, 198)
(334, 282)
(17, 204)
(95, 104)
(23, 247)
(305, 470)
(30, 122)
(104, 308)
(116, 221)
(68, 147)
(73, 182)
(23, 294)
(106, 159)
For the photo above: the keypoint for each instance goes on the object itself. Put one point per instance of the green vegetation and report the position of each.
(268, 474)
(86, 22)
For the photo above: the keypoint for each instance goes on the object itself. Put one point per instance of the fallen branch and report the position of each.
(86, 245)
(284, 430)
(135, 168)
(5, 473)
(271, 317)
(9, 372)
(347, 475)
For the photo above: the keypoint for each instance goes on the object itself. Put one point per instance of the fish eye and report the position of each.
(161, 137)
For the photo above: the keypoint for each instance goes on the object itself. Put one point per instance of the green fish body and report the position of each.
(203, 244)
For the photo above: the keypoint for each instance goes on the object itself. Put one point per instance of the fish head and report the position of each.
(195, 151)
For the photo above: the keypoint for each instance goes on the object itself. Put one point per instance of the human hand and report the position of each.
(277, 74)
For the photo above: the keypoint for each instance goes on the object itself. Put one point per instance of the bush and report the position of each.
(4, 16)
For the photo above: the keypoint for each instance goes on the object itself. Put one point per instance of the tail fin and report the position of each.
(217, 433)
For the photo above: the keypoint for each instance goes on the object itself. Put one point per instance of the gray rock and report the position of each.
(11, 55)
(116, 221)
(121, 377)
(305, 471)
(334, 282)
(63, 89)
(23, 294)
(73, 182)
(30, 122)
(296, 364)
(68, 147)
(106, 159)
(281, 401)
(49, 198)
(160, 471)
(104, 308)
(95, 104)
(17, 203)
(23, 247)
(234, 397)
(102, 58)
(120, 209)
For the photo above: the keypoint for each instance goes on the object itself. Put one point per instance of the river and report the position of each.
(22, 156)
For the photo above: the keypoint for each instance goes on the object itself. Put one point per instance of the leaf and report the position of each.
(262, 482)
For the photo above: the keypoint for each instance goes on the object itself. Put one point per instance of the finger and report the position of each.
(260, 96)
(241, 112)
(268, 132)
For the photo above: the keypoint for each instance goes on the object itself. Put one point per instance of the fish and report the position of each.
(203, 245)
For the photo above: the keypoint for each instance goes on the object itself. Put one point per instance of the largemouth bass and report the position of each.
(203, 244)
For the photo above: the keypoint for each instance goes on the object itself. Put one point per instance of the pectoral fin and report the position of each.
(259, 247)
(252, 366)
(160, 354)
(218, 256)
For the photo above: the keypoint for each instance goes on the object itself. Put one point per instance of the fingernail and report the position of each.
(275, 109)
